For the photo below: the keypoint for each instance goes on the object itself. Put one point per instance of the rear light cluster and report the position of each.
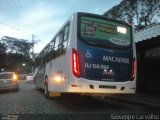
(133, 69)
(75, 63)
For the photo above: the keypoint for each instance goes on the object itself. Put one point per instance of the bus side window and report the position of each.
(61, 41)
(51, 50)
(66, 32)
(47, 54)
(58, 44)
(41, 58)
(65, 40)
(56, 47)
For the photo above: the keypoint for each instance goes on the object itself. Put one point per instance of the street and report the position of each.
(31, 101)
(100, 47)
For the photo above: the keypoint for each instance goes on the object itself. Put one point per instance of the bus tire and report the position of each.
(46, 93)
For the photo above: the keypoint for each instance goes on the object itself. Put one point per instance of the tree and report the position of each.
(2, 55)
(2, 49)
(17, 46)
(17, 51)
(140, 13)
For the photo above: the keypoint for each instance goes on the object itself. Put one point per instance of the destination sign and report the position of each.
(104, 30)
(99, 26)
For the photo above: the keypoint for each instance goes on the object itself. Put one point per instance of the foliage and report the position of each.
(2, 54)
(17, 46)
(15, 52)
(2, 50)
(140, 13)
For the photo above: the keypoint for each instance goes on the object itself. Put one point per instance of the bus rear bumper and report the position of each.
(89, 86)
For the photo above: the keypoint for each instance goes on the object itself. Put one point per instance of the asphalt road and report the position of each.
(30, 101)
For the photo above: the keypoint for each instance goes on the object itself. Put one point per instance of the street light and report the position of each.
(24, 68)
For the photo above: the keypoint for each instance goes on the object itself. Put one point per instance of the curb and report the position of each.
(135, 102)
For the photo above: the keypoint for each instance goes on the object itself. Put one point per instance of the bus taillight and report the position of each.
(75, 63)
(133, 69)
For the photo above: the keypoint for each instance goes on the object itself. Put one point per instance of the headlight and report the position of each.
(15, 77)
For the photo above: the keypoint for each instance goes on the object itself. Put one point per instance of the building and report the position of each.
(148, 59)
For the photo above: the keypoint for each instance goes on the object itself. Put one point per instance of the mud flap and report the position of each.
(54, 94)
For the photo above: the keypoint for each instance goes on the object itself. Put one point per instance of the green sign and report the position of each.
(104, 30)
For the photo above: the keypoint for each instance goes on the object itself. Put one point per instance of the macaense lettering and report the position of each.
(116, 59)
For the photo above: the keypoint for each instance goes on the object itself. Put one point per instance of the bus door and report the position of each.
(40, 76)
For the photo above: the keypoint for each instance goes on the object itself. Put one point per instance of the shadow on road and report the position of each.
(8, 91)
(85, 103)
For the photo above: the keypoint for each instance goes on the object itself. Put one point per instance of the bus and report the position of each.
(90, 54)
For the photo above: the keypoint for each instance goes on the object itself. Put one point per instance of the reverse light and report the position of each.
(133, 69)
(122, 30)
(58, 78)
(75, 63)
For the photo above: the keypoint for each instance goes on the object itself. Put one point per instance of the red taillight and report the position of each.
(133, 69)
(75, 63)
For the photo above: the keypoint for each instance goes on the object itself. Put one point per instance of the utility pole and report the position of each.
(33, 42)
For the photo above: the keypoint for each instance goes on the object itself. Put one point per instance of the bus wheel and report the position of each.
(46, 93)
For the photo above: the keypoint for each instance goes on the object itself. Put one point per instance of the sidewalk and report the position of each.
(148, 100)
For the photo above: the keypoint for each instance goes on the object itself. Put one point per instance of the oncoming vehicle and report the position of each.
(29, 76)
(8, 80)
(91, 55)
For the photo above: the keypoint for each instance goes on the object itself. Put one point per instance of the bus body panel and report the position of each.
(56, 69)
(40, 76)
(102, 64)
(61, 65)
(107, 87)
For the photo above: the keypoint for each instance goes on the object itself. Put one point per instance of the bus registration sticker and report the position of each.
(96, 66)
(119, 41)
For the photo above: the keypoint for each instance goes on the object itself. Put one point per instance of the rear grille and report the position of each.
(106, 86)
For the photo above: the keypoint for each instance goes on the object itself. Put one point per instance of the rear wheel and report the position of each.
(46, 93)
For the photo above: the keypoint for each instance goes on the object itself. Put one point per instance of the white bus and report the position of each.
(90, 54)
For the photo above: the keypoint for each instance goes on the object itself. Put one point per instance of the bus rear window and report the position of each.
(103, 31)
